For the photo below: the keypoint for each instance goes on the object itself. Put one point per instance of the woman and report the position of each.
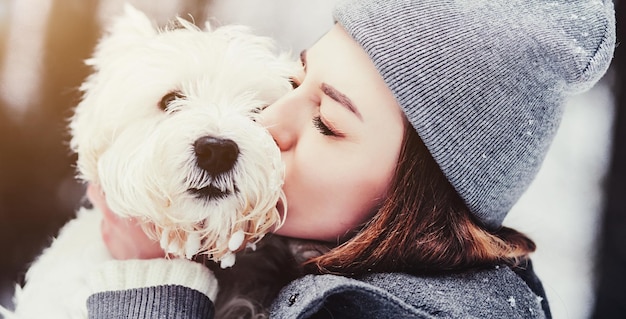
(414, 128)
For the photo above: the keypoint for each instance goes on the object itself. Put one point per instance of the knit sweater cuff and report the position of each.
(119, 275)
(153, 302)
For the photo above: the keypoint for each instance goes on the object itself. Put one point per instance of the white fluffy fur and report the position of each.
(143, 157)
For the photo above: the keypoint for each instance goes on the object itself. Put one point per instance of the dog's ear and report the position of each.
(132, 23)
(124, 32)
(127, 31)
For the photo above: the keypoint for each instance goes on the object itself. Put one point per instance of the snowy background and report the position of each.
(561, 211)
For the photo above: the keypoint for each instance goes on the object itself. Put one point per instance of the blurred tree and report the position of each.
(35, 163)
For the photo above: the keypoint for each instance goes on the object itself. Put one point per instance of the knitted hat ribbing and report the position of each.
(483, 82)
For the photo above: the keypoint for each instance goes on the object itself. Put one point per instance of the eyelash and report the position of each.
(323, 128)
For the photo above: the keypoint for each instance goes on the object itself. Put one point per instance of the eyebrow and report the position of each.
(334, 93)
(341, 98)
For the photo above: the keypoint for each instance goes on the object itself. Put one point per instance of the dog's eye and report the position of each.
(169, 98)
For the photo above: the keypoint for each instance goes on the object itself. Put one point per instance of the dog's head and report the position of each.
(167, 127)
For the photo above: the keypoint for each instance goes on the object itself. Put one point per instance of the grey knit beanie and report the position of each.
(483, 81)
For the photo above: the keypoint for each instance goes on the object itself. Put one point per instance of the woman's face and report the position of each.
(340, 133)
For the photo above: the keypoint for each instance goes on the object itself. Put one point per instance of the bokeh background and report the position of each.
(575, 210)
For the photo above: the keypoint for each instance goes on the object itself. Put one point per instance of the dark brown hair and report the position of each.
(422, 226)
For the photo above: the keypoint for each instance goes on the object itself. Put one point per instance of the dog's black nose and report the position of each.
(215, 155)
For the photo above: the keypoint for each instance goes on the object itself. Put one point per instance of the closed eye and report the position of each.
(325, 129)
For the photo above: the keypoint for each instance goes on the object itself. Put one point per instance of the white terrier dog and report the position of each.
(166, 128)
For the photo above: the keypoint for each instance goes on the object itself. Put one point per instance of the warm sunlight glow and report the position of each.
(21, 73)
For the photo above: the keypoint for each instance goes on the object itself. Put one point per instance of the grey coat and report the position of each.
(492, 293)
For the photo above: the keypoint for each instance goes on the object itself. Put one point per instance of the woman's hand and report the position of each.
(123, 236)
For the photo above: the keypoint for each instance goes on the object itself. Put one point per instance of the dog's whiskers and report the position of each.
(206, 186)
(209, 192)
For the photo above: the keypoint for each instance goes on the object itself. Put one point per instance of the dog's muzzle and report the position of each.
(215, 156)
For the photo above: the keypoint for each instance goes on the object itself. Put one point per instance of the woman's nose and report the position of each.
(283, 119)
